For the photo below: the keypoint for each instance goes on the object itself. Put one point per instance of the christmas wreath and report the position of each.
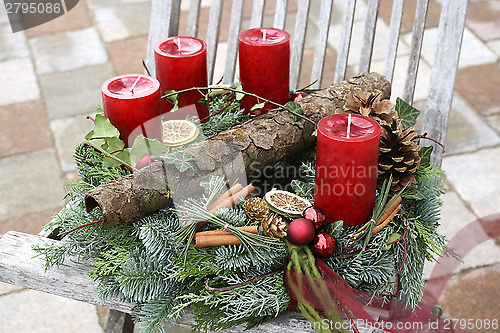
(235, 259)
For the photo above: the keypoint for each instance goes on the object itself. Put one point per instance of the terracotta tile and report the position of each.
(483, 18)
(30, 224)
(480, 86)
(76, 18)
(24, 128)
(473, 295)
(127, 55)
(433, 13)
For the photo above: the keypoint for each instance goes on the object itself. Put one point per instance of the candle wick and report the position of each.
(264, 31)
(348, 125)
(134, 84)
(178, 42)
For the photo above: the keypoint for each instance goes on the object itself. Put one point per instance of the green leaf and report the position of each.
(103, 128)
(394, 237)
(143, 146)
(407, 113)
(239, 95)
(335, 228)
(180, 160)
(108, 162)
(425, 155)
(302, 189)
(89, 135)
(114, 144)
(295, 107)
(258, 106)
(174, 98)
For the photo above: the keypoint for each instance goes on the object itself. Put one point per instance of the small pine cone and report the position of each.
(398, 155)
(274, 226)
(370, 105)
(256, 209)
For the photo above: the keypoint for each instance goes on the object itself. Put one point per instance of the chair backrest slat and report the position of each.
(213, 35)
(160, 28)
(444, 71)
(297, 46)
(321, 43)
(193, 18)
(415, 49)
(369, 36)
(345, 41)
(393, 42)
(257, 13)
(232, 43)
(280, 14)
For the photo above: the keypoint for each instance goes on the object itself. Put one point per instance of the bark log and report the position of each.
(244, 149)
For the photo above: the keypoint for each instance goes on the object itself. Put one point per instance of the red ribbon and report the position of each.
(334, 295)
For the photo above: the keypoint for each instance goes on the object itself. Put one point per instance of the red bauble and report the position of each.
(315, 215)
(301, 231)
(323, 245)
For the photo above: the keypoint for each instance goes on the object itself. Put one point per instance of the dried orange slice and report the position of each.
(179, 132)
(286, 202)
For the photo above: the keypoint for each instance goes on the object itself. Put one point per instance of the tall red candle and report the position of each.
(132, 104)
(181, 63)
(264, 55)
(346, 167)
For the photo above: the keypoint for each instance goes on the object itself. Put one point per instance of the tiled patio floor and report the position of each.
(51, 78)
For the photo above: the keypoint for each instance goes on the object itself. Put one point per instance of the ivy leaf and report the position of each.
(180, 160)
(124, 155)
(407, 113)
(425, 155)
(113, 144)
(335, 228)
(295, 107)
(174, 98)
(239, 95)
(143, 146)
(394, 237)
(103, 128)
(302, 189)
(209, 185)
(258, 106)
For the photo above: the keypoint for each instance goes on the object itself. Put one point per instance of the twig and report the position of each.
(234, 286)
(145, 67)
(424, 136)
(80, 226)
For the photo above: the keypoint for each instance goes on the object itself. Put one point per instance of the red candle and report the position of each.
(346, 167)
(181, 63)
(132, 104)
(264, 55)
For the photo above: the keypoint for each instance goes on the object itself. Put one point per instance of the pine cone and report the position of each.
(398, 155)
(370, 105)
(274, 226)
(256, 209)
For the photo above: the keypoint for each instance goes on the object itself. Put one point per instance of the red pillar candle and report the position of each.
(181, 63)
(346, 167)
(264, 55)
(132, 104)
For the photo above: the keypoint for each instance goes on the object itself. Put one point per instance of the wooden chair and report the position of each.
(17, 265)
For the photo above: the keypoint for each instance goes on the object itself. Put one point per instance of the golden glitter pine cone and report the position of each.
(256, 209)
(370, 105)
(398, 155)
(274, 226)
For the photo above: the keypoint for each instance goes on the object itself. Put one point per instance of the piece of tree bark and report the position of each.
(243, 149)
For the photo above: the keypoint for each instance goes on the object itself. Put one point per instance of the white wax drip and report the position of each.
(348, 125)
(134, 84)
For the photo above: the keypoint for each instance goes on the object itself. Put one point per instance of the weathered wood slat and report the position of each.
(299, 38)
(213, 36)
(159, 28)
(321, 43)
(193, 18)
(415, 50)
(232, 43)
(369, 37)
(280, 14)
(451, 29)
(257, 14)
(392, 47)
(20, 266)
(345, 41)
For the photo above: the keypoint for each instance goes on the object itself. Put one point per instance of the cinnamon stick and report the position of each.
(251, 228)
(237, 198)
(387, 220)
(232, 191)
(389, 209)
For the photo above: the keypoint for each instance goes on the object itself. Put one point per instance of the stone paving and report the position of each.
(51, 77)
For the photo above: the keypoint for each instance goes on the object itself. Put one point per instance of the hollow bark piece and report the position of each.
(246, 148)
